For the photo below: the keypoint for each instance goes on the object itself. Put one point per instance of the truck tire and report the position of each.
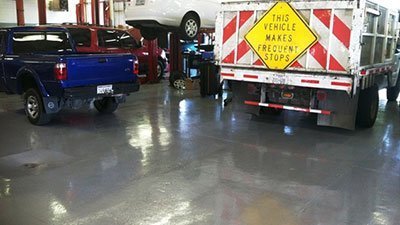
(174, 76)
(367, 107)
(392, 93)
(106, 105)
(34, 108)
(190, 27)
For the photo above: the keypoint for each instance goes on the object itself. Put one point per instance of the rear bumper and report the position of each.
(77, 96)
(91, 91)
(338, 82)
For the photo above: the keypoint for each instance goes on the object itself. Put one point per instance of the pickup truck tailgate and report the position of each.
(99, 69)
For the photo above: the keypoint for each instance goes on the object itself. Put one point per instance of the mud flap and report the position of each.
(344, 110)
(245, 91)
(51, 105)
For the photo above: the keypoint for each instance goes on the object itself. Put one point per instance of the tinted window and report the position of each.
(127, 41)
(81, 36)
(108, 38)
(115, 39)
(40, 42)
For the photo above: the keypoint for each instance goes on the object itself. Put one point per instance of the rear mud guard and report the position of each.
(51, 105)
(243, 91)
(344, 108)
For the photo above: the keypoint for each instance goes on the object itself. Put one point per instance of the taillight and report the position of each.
(60, 71)
(136, 67)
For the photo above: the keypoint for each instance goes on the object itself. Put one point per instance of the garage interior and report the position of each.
(170, 156)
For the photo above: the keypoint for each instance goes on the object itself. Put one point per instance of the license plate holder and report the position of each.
(105, 89)
(278, 79)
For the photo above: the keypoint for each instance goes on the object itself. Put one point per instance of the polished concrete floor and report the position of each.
(172, 157)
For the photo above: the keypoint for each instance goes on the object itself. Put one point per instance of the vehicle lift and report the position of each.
(152, 46)
(176, 57)
(175, 54)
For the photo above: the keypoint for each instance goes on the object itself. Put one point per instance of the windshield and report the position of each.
(41, 42)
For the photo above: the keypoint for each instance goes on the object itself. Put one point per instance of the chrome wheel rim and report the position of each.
(32, 107)
(191, 28)
(179, 84)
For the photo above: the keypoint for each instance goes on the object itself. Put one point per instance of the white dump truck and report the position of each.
(325, 57)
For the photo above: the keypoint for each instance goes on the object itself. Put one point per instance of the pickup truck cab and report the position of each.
(95, 39)
(42, 65)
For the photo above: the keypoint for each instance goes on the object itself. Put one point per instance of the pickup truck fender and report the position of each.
(51, 104)
(25, 71)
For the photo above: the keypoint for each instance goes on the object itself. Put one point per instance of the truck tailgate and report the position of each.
(330, 20)
(98, 69)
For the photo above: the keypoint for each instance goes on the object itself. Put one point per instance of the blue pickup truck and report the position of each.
(42, 65)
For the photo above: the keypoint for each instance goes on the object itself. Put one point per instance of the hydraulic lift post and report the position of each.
(81, 12)
(153, 61)
(95, 12)
(175, 54)
(42, 12)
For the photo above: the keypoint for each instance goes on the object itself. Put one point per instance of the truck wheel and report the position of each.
(160, 70)
(367, 107)
(34, 108)
(106, 105)
(392, 93)
(190, 27)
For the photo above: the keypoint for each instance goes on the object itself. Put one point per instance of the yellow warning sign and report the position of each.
(281, 36)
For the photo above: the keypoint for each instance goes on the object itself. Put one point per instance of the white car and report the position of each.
(188, 16)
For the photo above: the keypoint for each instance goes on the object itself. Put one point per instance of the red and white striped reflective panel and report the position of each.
(287, 107)
(244, 53)
(332, 50)
(330, 53)
(229, 37)
(375, 71)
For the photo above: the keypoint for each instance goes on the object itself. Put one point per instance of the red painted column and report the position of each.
(20, 13)
(152, 73)
(107, 14)
(175, 54)
(81, 12)
(78, 12)
(95, 12)
(42, 12)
